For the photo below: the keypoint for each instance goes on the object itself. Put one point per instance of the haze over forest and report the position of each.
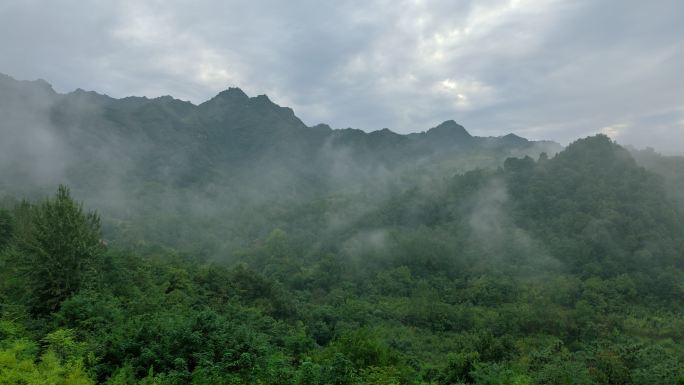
(521, 223)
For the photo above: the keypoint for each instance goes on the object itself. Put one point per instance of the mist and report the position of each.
(215, 164)
(315, 193)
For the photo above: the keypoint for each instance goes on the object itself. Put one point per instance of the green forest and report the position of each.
(573, 276)
(285, 254)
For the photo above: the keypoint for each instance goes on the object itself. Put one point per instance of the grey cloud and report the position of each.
(546, 69)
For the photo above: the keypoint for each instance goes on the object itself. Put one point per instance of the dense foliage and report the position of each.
(562, 270)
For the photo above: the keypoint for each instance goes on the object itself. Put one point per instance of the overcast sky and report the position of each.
(544, 69)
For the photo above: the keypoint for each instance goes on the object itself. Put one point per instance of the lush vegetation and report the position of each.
(561, 270)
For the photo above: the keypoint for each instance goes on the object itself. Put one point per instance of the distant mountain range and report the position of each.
(85, 138)
(139, 160)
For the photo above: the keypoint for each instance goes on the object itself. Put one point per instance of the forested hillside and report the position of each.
(159, 169)
(228, 243)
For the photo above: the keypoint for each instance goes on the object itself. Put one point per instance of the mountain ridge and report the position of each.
(234, 96)
(130, 155)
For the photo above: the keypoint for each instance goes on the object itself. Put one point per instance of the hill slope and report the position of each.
(339, 256)
(133, 157)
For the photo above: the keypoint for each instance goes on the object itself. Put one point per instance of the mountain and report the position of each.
(239, 245)
(448, 134)
(132, 155)
(175, 142)
(671, 168)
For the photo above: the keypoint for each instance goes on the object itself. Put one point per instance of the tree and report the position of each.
(6, 228)
(60, 251)
(459, 367)
(61, 363)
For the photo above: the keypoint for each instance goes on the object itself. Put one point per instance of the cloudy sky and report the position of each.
(545, 69)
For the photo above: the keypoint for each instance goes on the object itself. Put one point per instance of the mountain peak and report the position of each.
(232, 93)
(229, 98)
(513, 139)
(322, 126)
(39, 85)
(448, 130)
(44, 84)
(513, 136)
(596, 151)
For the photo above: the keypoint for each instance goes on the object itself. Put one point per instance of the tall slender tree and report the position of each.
(60, 252)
